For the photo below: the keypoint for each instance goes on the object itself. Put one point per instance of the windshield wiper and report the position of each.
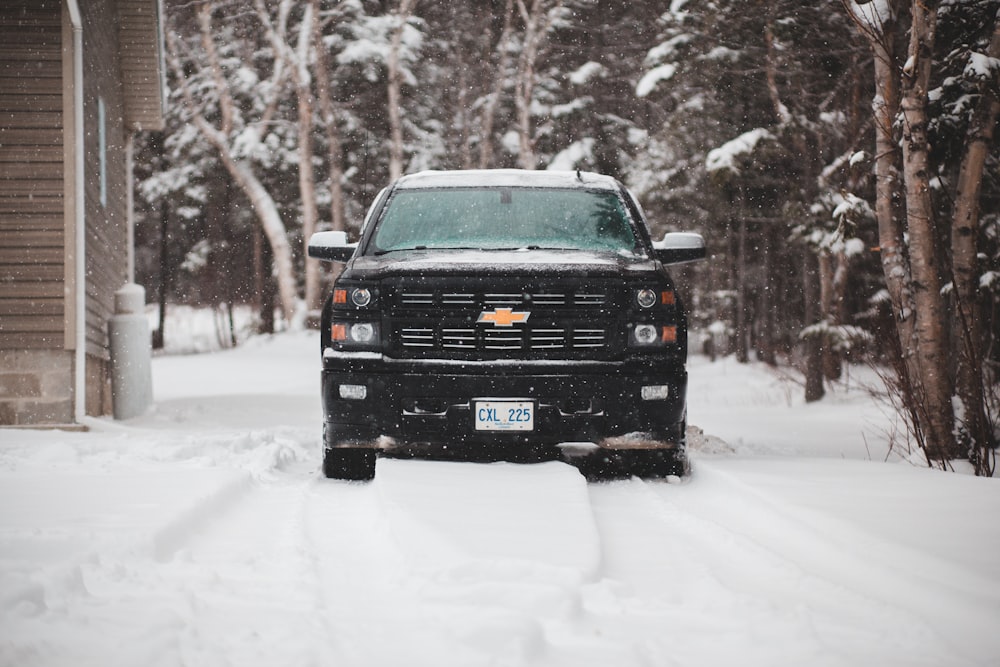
(424, 247)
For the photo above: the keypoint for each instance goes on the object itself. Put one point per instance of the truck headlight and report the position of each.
(652, 335)
(646, 298)
(361, 296)
(350, 298)
(645, 334)
(362, 332)
(358, 335)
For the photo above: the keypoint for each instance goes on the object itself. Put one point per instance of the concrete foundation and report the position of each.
(36, 388)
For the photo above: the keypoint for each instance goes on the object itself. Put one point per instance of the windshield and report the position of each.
(497, 218)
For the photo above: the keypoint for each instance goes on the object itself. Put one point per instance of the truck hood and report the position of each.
(425, 263)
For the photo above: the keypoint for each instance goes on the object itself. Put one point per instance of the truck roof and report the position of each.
(523, 178)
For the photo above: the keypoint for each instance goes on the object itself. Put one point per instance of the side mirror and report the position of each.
(331, 246)
(680, 248)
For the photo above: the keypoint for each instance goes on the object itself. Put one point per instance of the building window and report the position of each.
(102, 149)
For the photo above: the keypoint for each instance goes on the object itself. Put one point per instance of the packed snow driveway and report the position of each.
(185, 538)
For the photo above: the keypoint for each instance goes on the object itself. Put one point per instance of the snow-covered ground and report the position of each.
(202, 534)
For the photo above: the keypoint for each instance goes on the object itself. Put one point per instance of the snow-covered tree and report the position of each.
(749, 121)
(232, 106)
(921, 96)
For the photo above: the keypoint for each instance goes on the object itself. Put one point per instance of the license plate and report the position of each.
(504, 415)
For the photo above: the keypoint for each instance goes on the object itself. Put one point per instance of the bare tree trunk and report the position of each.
(770, 71)
(159, 335)
(297, 63)
(830, 364)
(524, 85)
(274, 229)
(263, 282)
(241, 171)
(813, 343)
(307, 177)
(395, 82)
(329, 115)
(258, 278)
(463, 120)
(932, 349)
(766, 344)
(972, 423)
(500, 77)
(916, 288)
(742, 317)
(889, 211)
(537, 22)
(888, 206)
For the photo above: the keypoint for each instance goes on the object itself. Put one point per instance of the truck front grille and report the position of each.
(568, 298)
(499, 340)
(440, 317)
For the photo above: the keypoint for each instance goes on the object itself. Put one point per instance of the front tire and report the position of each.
(652, 455)
(657, 463)
(350, 463)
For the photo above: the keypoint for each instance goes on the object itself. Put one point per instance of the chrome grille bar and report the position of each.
(588, 338)
(458, 339)
(416, 298)
(413, 337)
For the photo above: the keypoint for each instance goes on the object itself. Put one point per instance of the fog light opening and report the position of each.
(363, 332)
(655, 392)
(645, 334)
(354, 392)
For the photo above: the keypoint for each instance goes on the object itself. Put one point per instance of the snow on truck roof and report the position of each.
(523, 178)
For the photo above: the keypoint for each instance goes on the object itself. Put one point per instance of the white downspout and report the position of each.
(79, 224)
(130, 205)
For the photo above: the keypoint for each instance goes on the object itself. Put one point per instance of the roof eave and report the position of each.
(141, 49)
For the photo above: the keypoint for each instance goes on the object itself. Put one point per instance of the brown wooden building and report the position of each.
(77, 79)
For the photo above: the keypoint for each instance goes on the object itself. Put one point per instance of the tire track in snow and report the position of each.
(438, 563)
(364, 603)
(233, 588)
(75, 603)
(207, 510)
(740, 573)
(891, 578)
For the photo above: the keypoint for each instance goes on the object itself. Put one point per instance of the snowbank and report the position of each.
(202, 534)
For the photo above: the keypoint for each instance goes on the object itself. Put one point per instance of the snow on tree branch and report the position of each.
(872, 15)
(649, 81)
(724, 158)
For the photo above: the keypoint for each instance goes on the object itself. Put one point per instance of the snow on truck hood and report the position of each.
(485, 262)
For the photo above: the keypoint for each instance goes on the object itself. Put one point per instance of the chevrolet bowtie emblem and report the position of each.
(503, 317)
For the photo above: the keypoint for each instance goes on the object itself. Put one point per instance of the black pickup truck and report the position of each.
(505, 311)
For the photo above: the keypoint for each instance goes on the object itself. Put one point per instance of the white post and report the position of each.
(131, 354)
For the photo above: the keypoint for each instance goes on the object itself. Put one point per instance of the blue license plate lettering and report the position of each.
(497, 415)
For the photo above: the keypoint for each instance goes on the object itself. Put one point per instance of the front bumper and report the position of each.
(422, 402)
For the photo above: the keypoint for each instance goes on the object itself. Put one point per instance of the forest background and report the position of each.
(838, 156)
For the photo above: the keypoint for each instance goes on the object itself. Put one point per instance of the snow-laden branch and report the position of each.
(653, 77)
(724, 158)
(871, 15)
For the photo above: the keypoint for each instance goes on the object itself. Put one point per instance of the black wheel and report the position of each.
(656, 463)
(600, 465)
(354, 463)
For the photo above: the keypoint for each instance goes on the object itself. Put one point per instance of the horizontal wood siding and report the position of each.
(32, 243)
(107, 233)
